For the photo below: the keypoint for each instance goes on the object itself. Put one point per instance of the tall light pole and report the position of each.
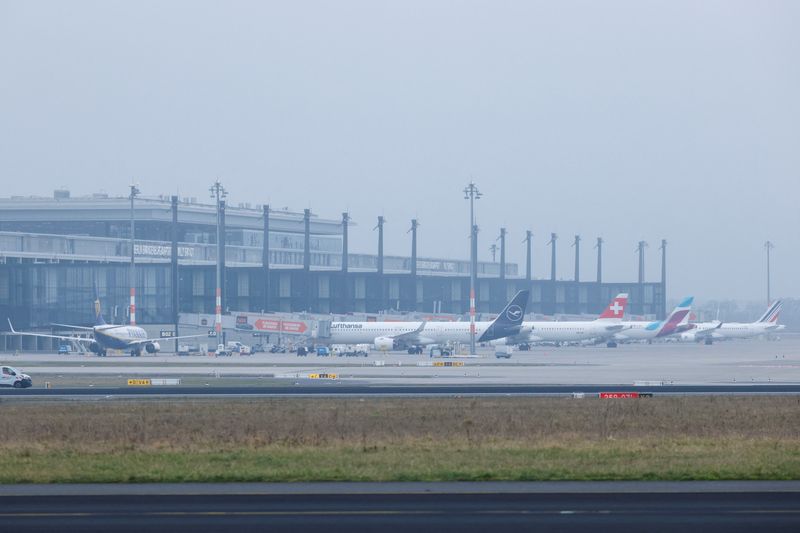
(472, 193)
(134, 192)
(218, 192)
(768, 246)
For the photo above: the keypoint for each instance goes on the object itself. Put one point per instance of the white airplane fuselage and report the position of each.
(729, 330)
(567, 331)
(119, 337)
(637, 330)
(432, 333)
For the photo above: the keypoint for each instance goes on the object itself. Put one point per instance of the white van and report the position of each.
(503, 352)
(11, 377)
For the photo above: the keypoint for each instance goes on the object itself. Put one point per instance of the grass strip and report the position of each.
(694, 459)
(442, 439)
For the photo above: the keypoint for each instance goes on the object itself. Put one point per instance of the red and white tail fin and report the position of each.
(616, 309)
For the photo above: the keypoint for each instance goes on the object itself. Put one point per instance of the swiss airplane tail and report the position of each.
(616, 309)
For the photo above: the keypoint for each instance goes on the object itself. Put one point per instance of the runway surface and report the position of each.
(343, 390)
(403, 507)
(751, 362)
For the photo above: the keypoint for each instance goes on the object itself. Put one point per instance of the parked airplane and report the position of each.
(108, 336)
(609, 322)
(708, 332)
(643, 330)
(385, 335)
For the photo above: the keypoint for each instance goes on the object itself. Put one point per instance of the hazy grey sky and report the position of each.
(628, 120)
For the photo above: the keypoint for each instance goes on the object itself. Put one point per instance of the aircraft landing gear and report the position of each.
(709, 342)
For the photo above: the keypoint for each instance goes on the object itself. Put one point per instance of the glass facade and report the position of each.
(56, 256)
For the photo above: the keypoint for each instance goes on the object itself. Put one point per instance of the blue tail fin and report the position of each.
(509, 320)
(98, 316)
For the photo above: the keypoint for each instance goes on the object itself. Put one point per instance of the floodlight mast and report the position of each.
(218, 192)
(132, 310)
(472, 193)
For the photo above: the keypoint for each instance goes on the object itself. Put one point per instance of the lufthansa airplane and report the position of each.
(386, 335)
(106, 337)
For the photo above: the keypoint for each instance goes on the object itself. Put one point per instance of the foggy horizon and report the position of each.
(673, 121)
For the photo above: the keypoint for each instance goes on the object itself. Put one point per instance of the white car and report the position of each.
(11, 377)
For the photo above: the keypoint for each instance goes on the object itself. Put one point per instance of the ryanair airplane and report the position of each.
(131, 339)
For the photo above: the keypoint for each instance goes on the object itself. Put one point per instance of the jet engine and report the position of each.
(94, 347)
(152, 347)
(384, 344)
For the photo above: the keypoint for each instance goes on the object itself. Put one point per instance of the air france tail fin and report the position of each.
(616, 309)
(509, 320)
(771, 315)
(670, 325)
(98, 316)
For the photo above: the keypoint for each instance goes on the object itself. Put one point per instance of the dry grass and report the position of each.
(383, 439)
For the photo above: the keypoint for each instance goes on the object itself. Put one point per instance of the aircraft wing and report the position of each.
(73, 327)
(410, 336)
(613, 328)
(163, 339)
(707, 332)
(46, 336)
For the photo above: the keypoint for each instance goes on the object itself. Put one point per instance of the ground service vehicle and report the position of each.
(438, 351)
(238, 347)
(11, 377)
(503, 352)
(221, 351)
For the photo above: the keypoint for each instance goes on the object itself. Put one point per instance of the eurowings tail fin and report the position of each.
(670, 325)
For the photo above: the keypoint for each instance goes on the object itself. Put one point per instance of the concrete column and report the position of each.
(265, 258)
(599, 247)
(221, 251)
(174, 269)
(529, 255)
(502, 253)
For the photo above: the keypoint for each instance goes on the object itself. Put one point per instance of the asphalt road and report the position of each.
(687, 508)
(342, 389)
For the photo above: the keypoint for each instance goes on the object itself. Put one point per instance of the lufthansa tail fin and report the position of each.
(509, 320)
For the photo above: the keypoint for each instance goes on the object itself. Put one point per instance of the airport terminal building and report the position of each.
(57, 252)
